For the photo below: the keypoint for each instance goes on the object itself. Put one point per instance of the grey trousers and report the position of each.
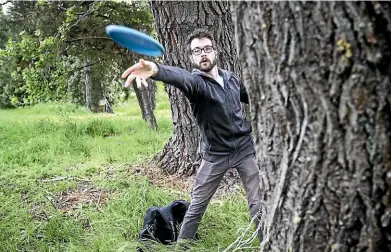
(207, 181)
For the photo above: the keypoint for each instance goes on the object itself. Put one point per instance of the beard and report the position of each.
(205, 65)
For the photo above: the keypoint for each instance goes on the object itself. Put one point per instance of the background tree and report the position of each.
(318, 75)
(59, 45)
(5, 77)
(174, 22)
(147, 102)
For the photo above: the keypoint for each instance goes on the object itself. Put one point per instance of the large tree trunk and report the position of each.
(318, 74)
(174, 22)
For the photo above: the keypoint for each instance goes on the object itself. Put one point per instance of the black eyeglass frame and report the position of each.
(205, 49)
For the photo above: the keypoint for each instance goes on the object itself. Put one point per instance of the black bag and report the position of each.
(162, 224)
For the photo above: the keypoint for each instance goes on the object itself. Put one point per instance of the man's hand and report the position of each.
(140, 71)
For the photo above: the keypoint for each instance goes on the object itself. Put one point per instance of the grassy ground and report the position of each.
(67, 182)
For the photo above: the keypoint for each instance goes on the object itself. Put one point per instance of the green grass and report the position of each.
(51, 151)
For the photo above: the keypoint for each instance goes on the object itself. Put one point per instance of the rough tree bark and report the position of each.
(318, 74)
(174, 22)
(147, 102)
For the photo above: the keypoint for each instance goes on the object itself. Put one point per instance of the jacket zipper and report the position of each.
(232, 126)
(230, 107)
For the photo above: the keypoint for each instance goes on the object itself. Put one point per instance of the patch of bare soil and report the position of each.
(85, 195)
(231, 183)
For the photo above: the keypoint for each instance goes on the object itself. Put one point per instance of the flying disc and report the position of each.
(135, 40)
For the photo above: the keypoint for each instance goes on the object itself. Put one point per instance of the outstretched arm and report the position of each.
(175, 76)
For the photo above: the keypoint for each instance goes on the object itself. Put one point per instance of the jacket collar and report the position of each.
(223, 73)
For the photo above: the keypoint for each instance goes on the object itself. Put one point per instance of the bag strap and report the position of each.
(166, 213)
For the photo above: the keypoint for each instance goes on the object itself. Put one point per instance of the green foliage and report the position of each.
(37, 74)
(49, 41)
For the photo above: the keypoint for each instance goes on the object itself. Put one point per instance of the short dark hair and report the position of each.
(199, 34)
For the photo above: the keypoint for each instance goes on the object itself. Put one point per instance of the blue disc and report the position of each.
(135, 40)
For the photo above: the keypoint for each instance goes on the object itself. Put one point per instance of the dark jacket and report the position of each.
(217, 110)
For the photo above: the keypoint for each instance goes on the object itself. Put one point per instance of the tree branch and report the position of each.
(85, 38)
(65, 9)
(88, 12)
(90, 64)
(6, 2)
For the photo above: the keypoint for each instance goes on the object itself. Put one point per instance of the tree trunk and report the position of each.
(174, 22)
(88, 85)
(95, 100)
(318, 75)
(147, 102)
(108, 108)
(99, 102)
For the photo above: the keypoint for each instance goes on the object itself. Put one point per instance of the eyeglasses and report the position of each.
(197, 51)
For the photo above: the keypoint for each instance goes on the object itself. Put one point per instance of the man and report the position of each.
(215, 97)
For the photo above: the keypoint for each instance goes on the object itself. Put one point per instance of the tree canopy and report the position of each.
(45, 46)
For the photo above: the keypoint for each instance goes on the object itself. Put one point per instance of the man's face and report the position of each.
(203, 55)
